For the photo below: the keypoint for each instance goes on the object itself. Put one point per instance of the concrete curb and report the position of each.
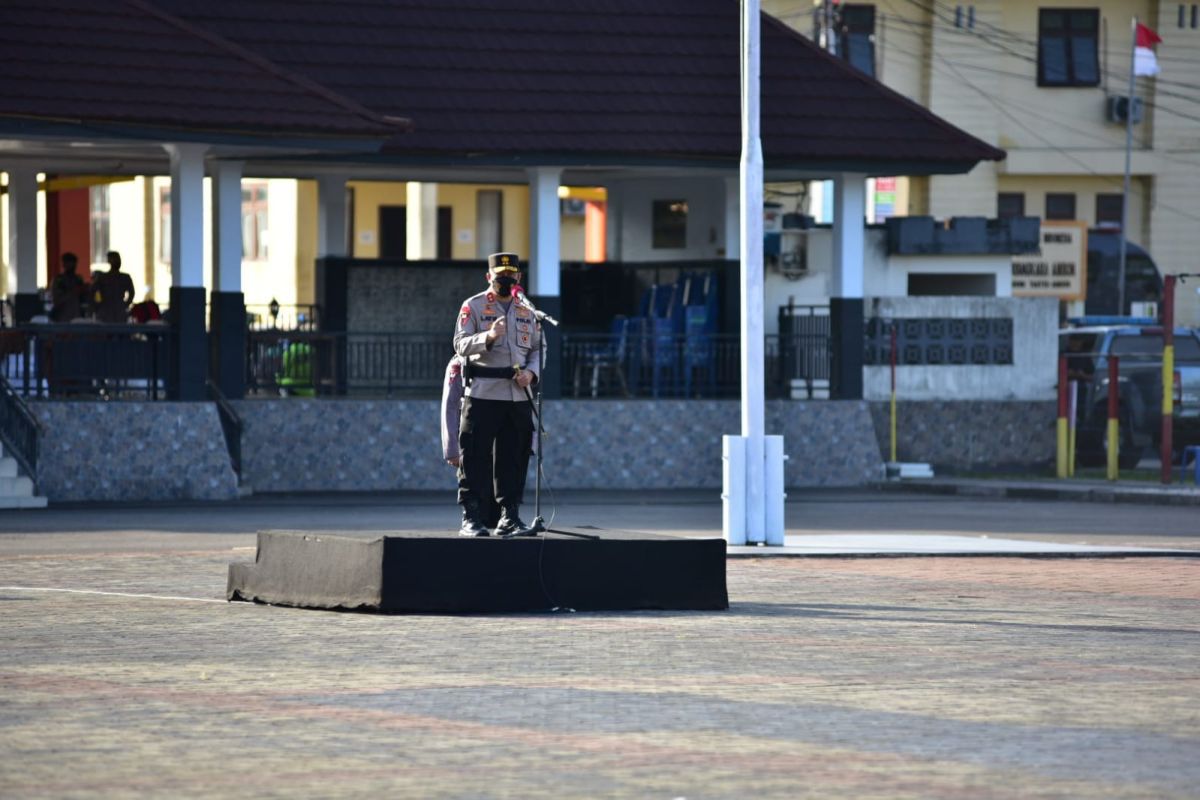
(1049, 490)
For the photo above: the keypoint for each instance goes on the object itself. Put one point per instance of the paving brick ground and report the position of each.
(930, 678)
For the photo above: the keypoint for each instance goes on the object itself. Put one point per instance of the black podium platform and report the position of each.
(410, 571)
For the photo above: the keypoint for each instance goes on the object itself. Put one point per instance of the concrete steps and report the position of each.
(16, 490)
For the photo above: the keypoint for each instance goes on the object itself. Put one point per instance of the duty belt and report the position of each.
(470, 372)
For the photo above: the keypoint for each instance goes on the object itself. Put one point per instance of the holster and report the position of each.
(470, 371)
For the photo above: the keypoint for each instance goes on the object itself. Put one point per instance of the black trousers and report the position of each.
(495, 438)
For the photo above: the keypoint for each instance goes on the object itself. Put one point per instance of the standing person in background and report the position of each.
(68, 291)
(112, 292)
(452, 397)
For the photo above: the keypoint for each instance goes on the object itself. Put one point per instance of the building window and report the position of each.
(1010, 204)
(856, 36)
(670, 224)
(1108, 210)
(254, 222)
(164, 225)
(98, 197)
(1068, 54)
(1060, 206)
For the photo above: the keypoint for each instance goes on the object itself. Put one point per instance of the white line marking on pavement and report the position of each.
(108, 594)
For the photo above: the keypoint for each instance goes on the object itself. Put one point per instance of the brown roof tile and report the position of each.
(510, 79)
(133, 65)
(585, 78)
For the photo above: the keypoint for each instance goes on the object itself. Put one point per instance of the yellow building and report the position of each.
(279, 229)
(1043, 81)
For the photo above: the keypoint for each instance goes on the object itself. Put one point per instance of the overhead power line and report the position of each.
(1062, 151)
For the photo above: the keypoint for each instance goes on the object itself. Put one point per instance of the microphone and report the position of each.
(542, 316)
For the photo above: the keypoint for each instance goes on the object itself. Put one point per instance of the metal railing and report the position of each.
(19, 429)
(87, 360)
(290, 317)
(292, 363)
(301, 363)
(588, 365)
(231, 427)
(133, 362)
(705, 365)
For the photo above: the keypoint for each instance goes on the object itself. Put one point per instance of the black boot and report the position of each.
(472, 524)
(511, 525)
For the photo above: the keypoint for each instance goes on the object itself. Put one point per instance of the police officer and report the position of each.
(500, 340)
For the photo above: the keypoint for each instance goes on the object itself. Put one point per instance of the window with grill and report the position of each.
(98, 218)
(1068, 51)
(856, 36)
(254, 222)
(1010, 204)
(670, 224)
(1108, 210)
(1060, 205)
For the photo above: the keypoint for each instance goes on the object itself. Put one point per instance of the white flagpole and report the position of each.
(753, 396)
(1128, 167)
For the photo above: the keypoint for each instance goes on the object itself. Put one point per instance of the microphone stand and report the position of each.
(539, 524)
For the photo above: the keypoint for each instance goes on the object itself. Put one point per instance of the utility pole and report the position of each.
(1128, 165)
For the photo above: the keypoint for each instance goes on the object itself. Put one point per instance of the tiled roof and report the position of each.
(585, 78)
(130, 64)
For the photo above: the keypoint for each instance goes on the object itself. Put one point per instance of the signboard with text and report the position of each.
(1058, 268)
(885, 199)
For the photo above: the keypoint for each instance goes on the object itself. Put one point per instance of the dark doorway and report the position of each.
(393, 232)
(445, 232)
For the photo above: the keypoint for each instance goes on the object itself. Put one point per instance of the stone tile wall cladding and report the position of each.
(969, 435)
(132, 451)
(383, 299)
(356, 445)
(176, 451)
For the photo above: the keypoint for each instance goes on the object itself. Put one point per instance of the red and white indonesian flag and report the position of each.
(1144, 60)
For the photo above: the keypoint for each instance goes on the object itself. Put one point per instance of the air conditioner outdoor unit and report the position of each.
(1116, 107)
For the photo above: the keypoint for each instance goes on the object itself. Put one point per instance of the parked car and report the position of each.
(1139, 350)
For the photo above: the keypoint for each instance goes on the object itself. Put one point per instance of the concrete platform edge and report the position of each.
(1148, 495)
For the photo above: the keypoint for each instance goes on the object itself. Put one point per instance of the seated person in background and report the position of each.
(296, 378)
(112, 292)
(146, 311)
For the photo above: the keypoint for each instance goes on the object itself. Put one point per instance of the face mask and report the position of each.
(504, 285)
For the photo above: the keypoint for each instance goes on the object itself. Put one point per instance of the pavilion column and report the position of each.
(23, 243)
(332, 224)
(227, 306)
(846, 289)
(333, 242)
(614, 193)
(189, 364)
(733, 219)
(420, 219)
(543, 264)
